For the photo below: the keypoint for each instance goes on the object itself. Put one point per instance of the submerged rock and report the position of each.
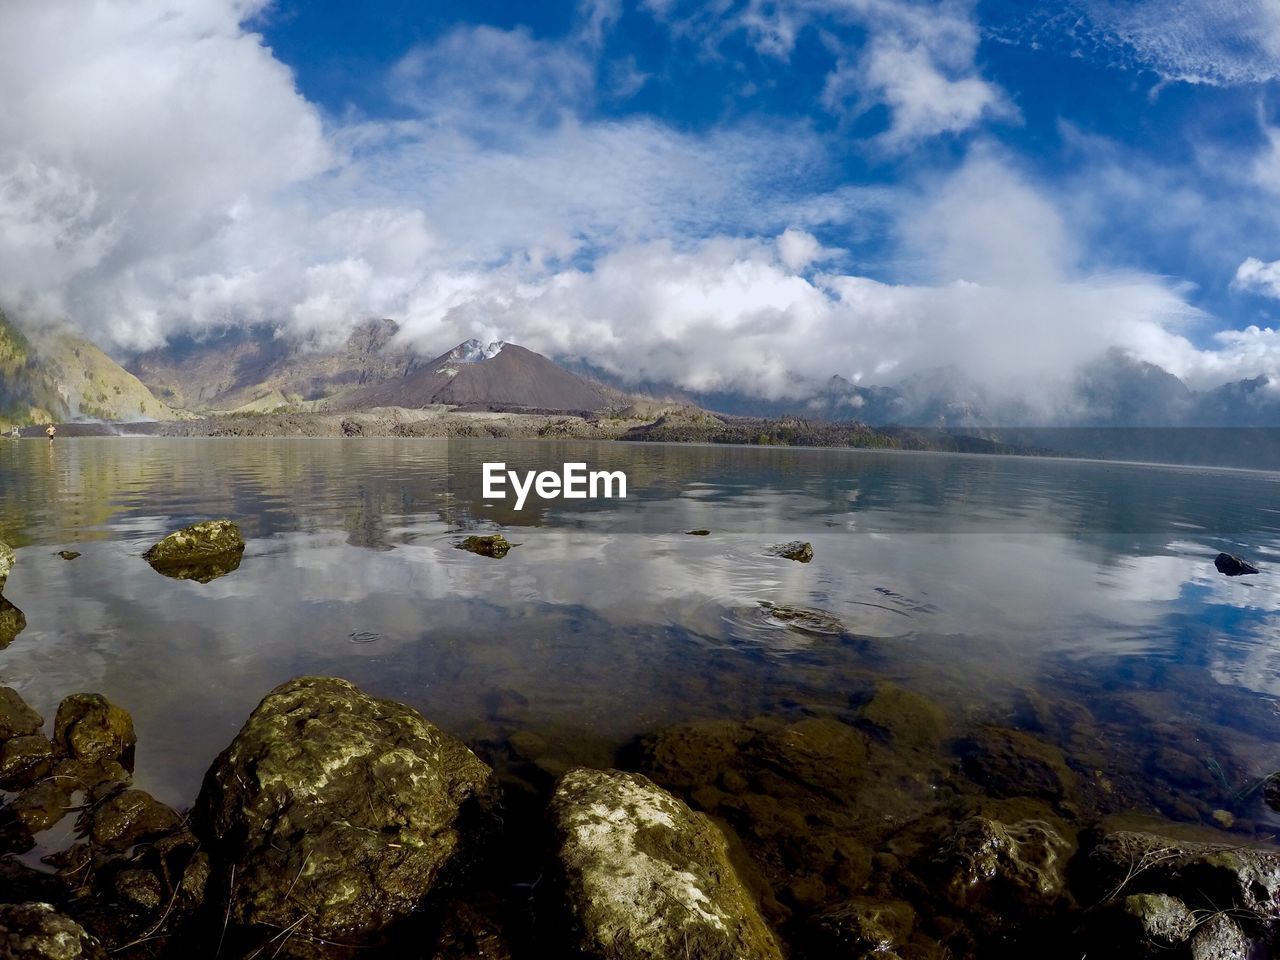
(35, 931)
(646, 878)
(795, 550)
(68, 554)
(804, 619)
(1233, 566)
(89, 727)
(1202, 875)
(863, 928)
(907, 719)
(1010, 763)
(201, 552)
(7, 559)
(12, 622)
(16, 718)
(698, 533)
(494, 545)
(338, 811)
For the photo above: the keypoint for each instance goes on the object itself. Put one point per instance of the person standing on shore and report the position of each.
(49, 431)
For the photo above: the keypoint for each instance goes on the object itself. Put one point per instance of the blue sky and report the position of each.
(739, 194)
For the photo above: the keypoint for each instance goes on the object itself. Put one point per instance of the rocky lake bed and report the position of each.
(844, 809)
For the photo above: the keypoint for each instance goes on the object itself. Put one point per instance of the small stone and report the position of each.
(1233, 566)
(16, 718)
(129, 817)
(797, 550)
(495, 546)
(140, 889)
(23, 760)
(91, 728)
(1218, 938)
(1224, 818)
(43, 805)
(68, 554)
(1160, 918)
(698, 533)
(804, 619)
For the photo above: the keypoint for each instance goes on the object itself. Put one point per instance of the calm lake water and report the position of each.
(985, 582)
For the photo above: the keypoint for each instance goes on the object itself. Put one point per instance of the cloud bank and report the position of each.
(161, 172)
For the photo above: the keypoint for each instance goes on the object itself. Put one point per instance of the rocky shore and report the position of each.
(338, 824)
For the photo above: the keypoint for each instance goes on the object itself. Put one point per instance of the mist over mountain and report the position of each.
(56, 376)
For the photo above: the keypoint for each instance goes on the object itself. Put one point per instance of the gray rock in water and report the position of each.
(7, 559)
(35, 931)
(1233, 566)
(646, 878)
(795, 550)
(338, 811)
(16, 718)
(201, 552)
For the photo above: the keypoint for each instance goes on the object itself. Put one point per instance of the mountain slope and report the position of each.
(57, 376)
(496, 375)
(237, 369)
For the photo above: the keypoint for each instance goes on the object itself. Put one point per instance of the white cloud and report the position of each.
(1258, 277)
(916, 57)
(1218, 42)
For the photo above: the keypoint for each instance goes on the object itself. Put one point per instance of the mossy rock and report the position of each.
(36, 931)
(798, 550)
(202, 552)
(494, 545)
(1010, 763)
(129, 817)
(17, 719)
(907, 719)
(91, 728)
(23, 760)
(643, 877)
(339, 812)
(12, 622)
(7, 560)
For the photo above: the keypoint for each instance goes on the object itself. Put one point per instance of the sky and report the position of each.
(741, 195)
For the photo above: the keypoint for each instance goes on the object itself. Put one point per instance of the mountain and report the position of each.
(54, 376)
(497, 375)
(253, 369)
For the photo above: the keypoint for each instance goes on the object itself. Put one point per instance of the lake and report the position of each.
(1005, 590)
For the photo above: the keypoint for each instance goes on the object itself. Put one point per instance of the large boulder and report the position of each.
(643, 877)
(339, 812)
(201, 552)
(35, 931)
